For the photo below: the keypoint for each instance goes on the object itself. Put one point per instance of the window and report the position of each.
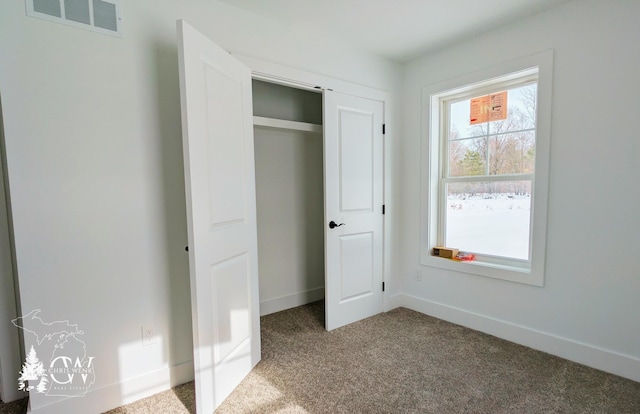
(485, 156)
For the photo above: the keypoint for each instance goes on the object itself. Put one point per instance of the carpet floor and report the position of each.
(402, 362)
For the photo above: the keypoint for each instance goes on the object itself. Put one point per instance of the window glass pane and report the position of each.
(512, 153)
(459, 121)
(521, 111)
(489, 218)
(467, 157)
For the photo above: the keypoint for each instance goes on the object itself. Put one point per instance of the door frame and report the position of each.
(11, 353)
(302, 79)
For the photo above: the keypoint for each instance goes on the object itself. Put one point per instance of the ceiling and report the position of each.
(396, 29)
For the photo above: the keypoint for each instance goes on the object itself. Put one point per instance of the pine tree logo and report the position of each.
(33, 375)
(68, 370)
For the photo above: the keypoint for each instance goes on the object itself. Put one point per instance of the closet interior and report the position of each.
(289, 195)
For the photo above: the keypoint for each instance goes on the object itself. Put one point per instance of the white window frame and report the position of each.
(529, 272)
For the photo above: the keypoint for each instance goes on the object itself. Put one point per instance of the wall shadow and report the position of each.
(170, 157)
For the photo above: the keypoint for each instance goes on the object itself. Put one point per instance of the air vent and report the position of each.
(102, 16)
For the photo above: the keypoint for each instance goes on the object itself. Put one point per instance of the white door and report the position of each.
(353, 202)
(217, 129)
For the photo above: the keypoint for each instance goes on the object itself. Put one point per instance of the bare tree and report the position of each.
(500, 147)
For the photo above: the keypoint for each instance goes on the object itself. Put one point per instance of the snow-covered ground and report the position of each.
(495, 224)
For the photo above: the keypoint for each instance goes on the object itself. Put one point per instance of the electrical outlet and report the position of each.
(417, 275)
(148, 335)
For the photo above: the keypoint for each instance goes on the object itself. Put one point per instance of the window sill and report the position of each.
(525, 275)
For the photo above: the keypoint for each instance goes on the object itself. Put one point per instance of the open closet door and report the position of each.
(217, 129)
(353, 208)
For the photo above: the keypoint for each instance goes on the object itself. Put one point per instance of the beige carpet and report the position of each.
(403, 362)
(15, 407)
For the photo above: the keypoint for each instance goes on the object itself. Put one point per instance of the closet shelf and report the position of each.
(283, 124)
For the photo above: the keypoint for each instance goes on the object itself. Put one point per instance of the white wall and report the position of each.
(94, 153)
(588, 309)
(290, 201)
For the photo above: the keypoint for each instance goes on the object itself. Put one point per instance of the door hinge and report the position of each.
(383, 209)
(383, 286)
(384, 128)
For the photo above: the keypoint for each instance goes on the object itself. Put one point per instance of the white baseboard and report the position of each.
(109, 397)
(390, 302)
(290, 301)
(613, 362)
(115, 395)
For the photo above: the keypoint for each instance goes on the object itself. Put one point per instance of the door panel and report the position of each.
(229, 285)
(356, 266)
(353, 196)
(215, 92)
(356, 151)
(225, 155)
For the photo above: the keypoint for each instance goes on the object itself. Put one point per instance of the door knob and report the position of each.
(333, 225)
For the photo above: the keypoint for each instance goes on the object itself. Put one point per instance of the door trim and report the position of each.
(298, 78)
(11, 344)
